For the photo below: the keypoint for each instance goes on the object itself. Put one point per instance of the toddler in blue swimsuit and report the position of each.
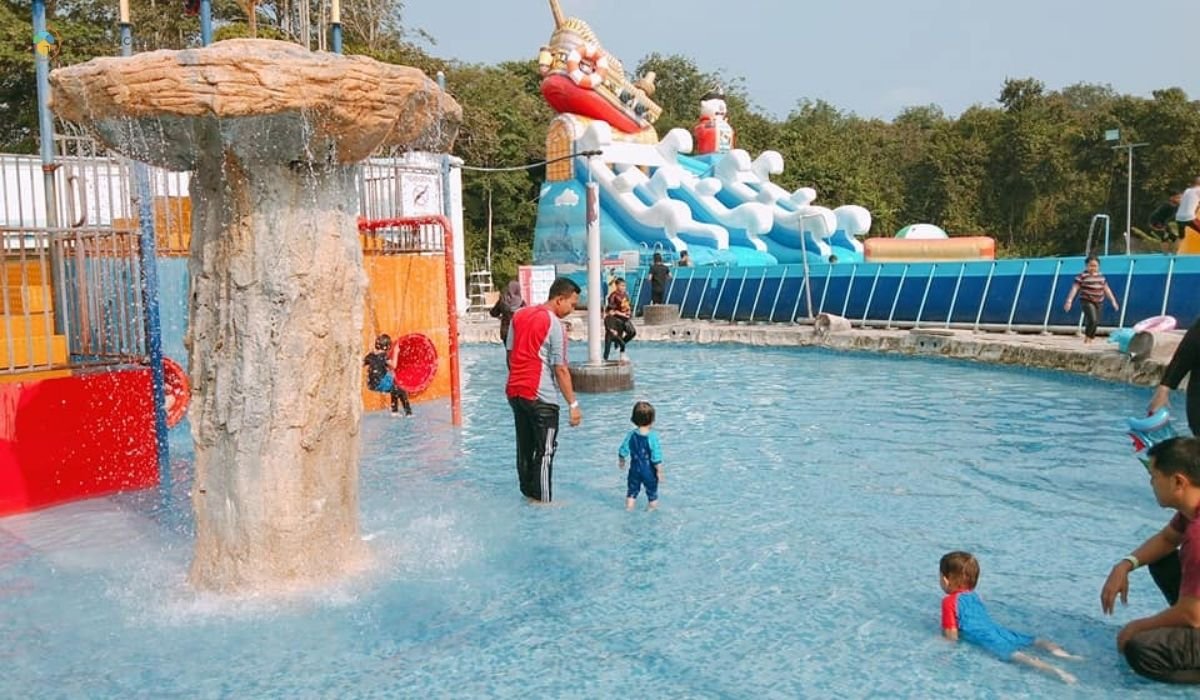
(964, 616)
(644, 453)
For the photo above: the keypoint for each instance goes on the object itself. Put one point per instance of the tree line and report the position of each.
(1029, 170)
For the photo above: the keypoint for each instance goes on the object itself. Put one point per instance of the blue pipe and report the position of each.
(205, 22)
(148, 251)
(336, 31)
(43, 40)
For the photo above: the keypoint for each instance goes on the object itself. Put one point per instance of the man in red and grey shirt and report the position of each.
(1166, 646)
(537, 373)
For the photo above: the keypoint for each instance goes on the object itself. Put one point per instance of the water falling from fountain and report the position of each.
(273, 134)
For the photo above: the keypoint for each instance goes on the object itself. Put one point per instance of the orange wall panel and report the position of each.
(407, 294)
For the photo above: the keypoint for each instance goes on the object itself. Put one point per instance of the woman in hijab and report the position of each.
(510, 300)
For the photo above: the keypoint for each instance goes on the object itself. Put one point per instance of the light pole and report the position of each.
(1115, 135)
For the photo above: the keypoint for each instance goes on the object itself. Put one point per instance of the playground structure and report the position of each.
(757, 245)
(275, 231)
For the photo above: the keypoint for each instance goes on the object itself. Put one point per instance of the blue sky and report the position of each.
(871, 57)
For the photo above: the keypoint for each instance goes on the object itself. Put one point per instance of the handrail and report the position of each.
(1091, 230)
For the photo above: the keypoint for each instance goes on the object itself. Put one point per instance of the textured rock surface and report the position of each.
(273, 134)
(659, 314)
(275, 331)
(269, 101)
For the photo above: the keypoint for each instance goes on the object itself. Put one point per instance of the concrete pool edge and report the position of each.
(1067, 353)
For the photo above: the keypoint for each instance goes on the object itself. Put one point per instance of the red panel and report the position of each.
(75, 437)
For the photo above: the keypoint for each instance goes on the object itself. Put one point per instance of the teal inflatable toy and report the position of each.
(1149, 431)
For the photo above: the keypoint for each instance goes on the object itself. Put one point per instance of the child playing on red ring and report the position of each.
(642, 449)
(381, 375)
(965, 617)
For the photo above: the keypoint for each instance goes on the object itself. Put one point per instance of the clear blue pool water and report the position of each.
(808, 498)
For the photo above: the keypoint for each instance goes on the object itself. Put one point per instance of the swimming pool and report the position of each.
(808, 497)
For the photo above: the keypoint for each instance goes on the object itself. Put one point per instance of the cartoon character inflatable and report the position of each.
(713, 132)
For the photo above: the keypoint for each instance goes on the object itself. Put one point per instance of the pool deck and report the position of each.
(1066, 353)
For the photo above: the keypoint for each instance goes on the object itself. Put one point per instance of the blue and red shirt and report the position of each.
(964, 611)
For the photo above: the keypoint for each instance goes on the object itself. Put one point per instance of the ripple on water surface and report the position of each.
(808, 496)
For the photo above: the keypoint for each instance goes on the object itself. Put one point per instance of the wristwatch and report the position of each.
(574, 404)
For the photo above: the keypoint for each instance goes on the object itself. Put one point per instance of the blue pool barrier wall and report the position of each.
(1015, 294)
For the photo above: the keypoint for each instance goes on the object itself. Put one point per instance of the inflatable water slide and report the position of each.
(655, 197)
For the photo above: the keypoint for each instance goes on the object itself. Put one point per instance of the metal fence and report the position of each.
(71, 298)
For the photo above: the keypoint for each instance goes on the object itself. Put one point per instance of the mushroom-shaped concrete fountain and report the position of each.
(272, 134)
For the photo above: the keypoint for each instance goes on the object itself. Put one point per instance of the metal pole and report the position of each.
(778, 291)
(954, 297)
(757, 294)
(1125, 294)
(987, 286)
(1050, 301)
(721, 293)
(925, 295)
(1167, 289)
(896, 298)
(43, 43)
(1012, 312)
(703, 293)
(595, 293)
(849, 289)
(148, 252)
(335, 21)
(205, 22)
(1129, 194)
(738, 299)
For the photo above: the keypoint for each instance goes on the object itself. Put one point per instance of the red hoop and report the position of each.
(178, 391)
(416, 362)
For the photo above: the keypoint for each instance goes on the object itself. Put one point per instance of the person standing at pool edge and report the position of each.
(1184, 362)
(1091, 287)
(659, 274)
(537, 373)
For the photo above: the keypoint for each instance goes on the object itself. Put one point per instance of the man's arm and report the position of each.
(1185, 359)
(1111, 297)
(1158, 546)
(563, 374)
